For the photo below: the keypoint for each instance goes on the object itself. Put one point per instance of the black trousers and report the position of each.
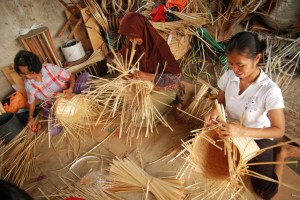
(265, 189)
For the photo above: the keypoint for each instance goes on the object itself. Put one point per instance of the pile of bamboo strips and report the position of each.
(126, 175)
(97, 56)
(200, 104)
(19, 157)
(129, 104)
(283, 55)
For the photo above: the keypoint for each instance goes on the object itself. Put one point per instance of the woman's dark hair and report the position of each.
(29, 59)
(9, 191)
(245, 43)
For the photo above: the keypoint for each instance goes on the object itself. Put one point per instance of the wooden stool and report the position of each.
(39, 42)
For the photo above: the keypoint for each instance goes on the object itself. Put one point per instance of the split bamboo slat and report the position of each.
(1, 109)
(39, 41)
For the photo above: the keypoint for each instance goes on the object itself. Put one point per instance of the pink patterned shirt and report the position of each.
(54, 79)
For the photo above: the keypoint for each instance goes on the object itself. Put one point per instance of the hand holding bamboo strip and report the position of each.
(128, 101)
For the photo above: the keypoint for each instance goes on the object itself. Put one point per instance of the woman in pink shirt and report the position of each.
(43, 82)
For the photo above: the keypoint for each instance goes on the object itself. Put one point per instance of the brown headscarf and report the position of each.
(155, 48)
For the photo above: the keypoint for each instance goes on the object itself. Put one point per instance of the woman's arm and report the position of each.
(31, 123)
(31, 110)
(72, 82)
(143, 76)
(68, 93)
(276, 130)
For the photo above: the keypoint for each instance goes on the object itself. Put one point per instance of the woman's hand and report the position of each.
(33, 125)
(143, 76)
(211, 118)
(68, 93)
(230, 129)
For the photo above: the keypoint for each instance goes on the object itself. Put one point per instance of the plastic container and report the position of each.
(73, 50)
(10, 127)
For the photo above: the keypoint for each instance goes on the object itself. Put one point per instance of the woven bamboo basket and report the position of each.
(212, 161)
(179, 44)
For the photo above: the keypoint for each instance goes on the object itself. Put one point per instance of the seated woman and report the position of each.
(249, 95)
(43, 82)
(157, 59)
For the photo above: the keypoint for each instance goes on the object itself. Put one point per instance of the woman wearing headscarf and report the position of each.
(157, 59)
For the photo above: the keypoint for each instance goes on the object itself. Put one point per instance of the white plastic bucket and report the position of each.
(73, 50)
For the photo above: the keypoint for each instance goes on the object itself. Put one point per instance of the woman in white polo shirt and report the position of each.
(249, 95)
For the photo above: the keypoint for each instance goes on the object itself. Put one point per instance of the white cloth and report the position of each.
(260, 97)
(27, 30)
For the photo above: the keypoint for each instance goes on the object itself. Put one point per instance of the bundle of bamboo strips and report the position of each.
(282, 59)
(194, 6)
(128, 102)
(128, 176)
(179, 27)
(195, 19)
(231, 15)
(200, 104)
(20, 157)
(97, 56)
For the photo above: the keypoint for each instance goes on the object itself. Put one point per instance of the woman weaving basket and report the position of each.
(43, 82)
(251, 97)
(158, 63)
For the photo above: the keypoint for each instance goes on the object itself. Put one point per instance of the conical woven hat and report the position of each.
(71, 110)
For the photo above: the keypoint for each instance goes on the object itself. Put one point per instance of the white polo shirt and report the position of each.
(260, 97)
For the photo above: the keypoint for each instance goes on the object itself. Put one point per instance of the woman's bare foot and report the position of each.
(290, 151)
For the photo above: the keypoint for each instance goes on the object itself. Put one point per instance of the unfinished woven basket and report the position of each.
(179, 44)
(212, 161)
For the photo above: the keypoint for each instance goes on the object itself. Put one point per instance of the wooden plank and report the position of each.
(6, 71)
(1, 109)
(93, 31)
(14, 78)
(64, 28)
(76, 4)
(19, 82)
(78, 23)
(80, 33)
